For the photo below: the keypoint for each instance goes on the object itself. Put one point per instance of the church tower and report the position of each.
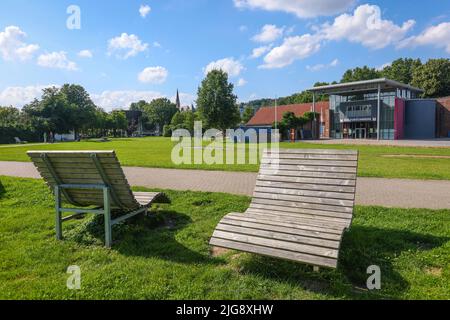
(178, 103)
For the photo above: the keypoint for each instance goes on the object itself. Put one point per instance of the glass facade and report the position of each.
(354, 115)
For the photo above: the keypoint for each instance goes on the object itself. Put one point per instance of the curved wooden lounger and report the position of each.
(301, 207)
(91, 179)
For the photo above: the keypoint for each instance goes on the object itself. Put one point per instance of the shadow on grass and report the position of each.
(361, 248)
(2, 190)
(144, 236)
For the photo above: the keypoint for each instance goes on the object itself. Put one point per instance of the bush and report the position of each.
(7, 135)
(167, 131)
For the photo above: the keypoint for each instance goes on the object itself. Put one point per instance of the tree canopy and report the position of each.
(216, 102)
(433, 77)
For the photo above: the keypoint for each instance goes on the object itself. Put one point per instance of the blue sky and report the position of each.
(128, 55)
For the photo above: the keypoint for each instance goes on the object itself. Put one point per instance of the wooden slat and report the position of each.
(313, 151)
(305, 186)
(290, 230)
(59, 160)
(303, 199)
(333, 182)
(272, 234)
(311, 156)
(313, 206)
(292, 165)
(277, 244)
(300, 218)
(298, 224)
(283, 254)
(309, 174)
(306, 193)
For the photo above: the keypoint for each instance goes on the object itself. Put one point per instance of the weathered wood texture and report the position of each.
(302, 204)
(78, 167)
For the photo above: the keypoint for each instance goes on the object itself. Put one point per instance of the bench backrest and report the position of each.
(314, 184)
(85, 168)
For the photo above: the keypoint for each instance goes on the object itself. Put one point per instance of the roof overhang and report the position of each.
(367, 85)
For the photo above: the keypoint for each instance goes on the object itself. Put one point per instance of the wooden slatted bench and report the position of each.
(91, 179)
(302, 204)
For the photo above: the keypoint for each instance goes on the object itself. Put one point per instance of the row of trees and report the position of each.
(432, 76)
(60, 110)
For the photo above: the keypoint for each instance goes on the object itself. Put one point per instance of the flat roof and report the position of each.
(349, 87)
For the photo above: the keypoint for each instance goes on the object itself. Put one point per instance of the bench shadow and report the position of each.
(2, 190)
(152, 235)
(361, 248)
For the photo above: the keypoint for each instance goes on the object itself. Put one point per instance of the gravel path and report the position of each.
(401, 193)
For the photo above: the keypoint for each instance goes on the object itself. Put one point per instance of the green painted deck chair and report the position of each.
(91, 179)
(302, 204)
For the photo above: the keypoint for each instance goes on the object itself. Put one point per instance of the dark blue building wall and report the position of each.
(420, 119)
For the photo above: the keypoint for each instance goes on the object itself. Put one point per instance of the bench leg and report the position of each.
(107, 214)
(58, 217)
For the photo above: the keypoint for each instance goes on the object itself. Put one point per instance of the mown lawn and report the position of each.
(166, 255)
(156, 152)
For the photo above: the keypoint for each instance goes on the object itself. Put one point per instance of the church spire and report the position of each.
(178, 103)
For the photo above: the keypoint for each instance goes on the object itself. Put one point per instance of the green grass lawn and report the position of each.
(166, 255)
(156, 152)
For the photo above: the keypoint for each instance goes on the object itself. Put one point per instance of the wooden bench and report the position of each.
(91, 179)
(302, 204)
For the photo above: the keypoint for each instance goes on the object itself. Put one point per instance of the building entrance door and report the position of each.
(360, 133)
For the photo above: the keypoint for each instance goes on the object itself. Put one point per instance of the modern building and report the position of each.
(382, 109)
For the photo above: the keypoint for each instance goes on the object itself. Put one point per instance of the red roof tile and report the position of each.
(266, 115)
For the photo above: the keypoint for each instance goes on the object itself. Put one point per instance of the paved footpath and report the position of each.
(401, 193)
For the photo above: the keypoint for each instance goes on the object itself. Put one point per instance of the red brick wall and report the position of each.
(443, 116)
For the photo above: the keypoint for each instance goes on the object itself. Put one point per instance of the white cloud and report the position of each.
(258, 52)
(20, 96)
(126, 46)
(301, 8)
(269, 33)
(13, 47)
(228, 65)
(241, 82)
(380, 68)
(437, 36)
(243, 28)
(110, 100)
(366, 27)
(156, 44)
(319, 67)
(155, 75)
(57, 60)
(292, 49)
(144, 10)
(85, 54)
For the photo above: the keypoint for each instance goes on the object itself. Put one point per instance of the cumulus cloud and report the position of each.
(258, 52)
(126, 46)
(228, 65)
(20, 96)
(292, 49)
(366, 27)
(241, 82)
(144, 10)
(319, 67)
(437, 36)
(110, 100)
(85, 54)
(154, 75)
(301, 8)
(269, 33)
(13, 47)
(57, 60)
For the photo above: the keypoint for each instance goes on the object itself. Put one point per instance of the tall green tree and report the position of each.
(160, 112)
(248, 113)
(360, 74)
(401, 70)
(433, 77)
(216, 103)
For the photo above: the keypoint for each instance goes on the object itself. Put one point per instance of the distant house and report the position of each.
(265, 117)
